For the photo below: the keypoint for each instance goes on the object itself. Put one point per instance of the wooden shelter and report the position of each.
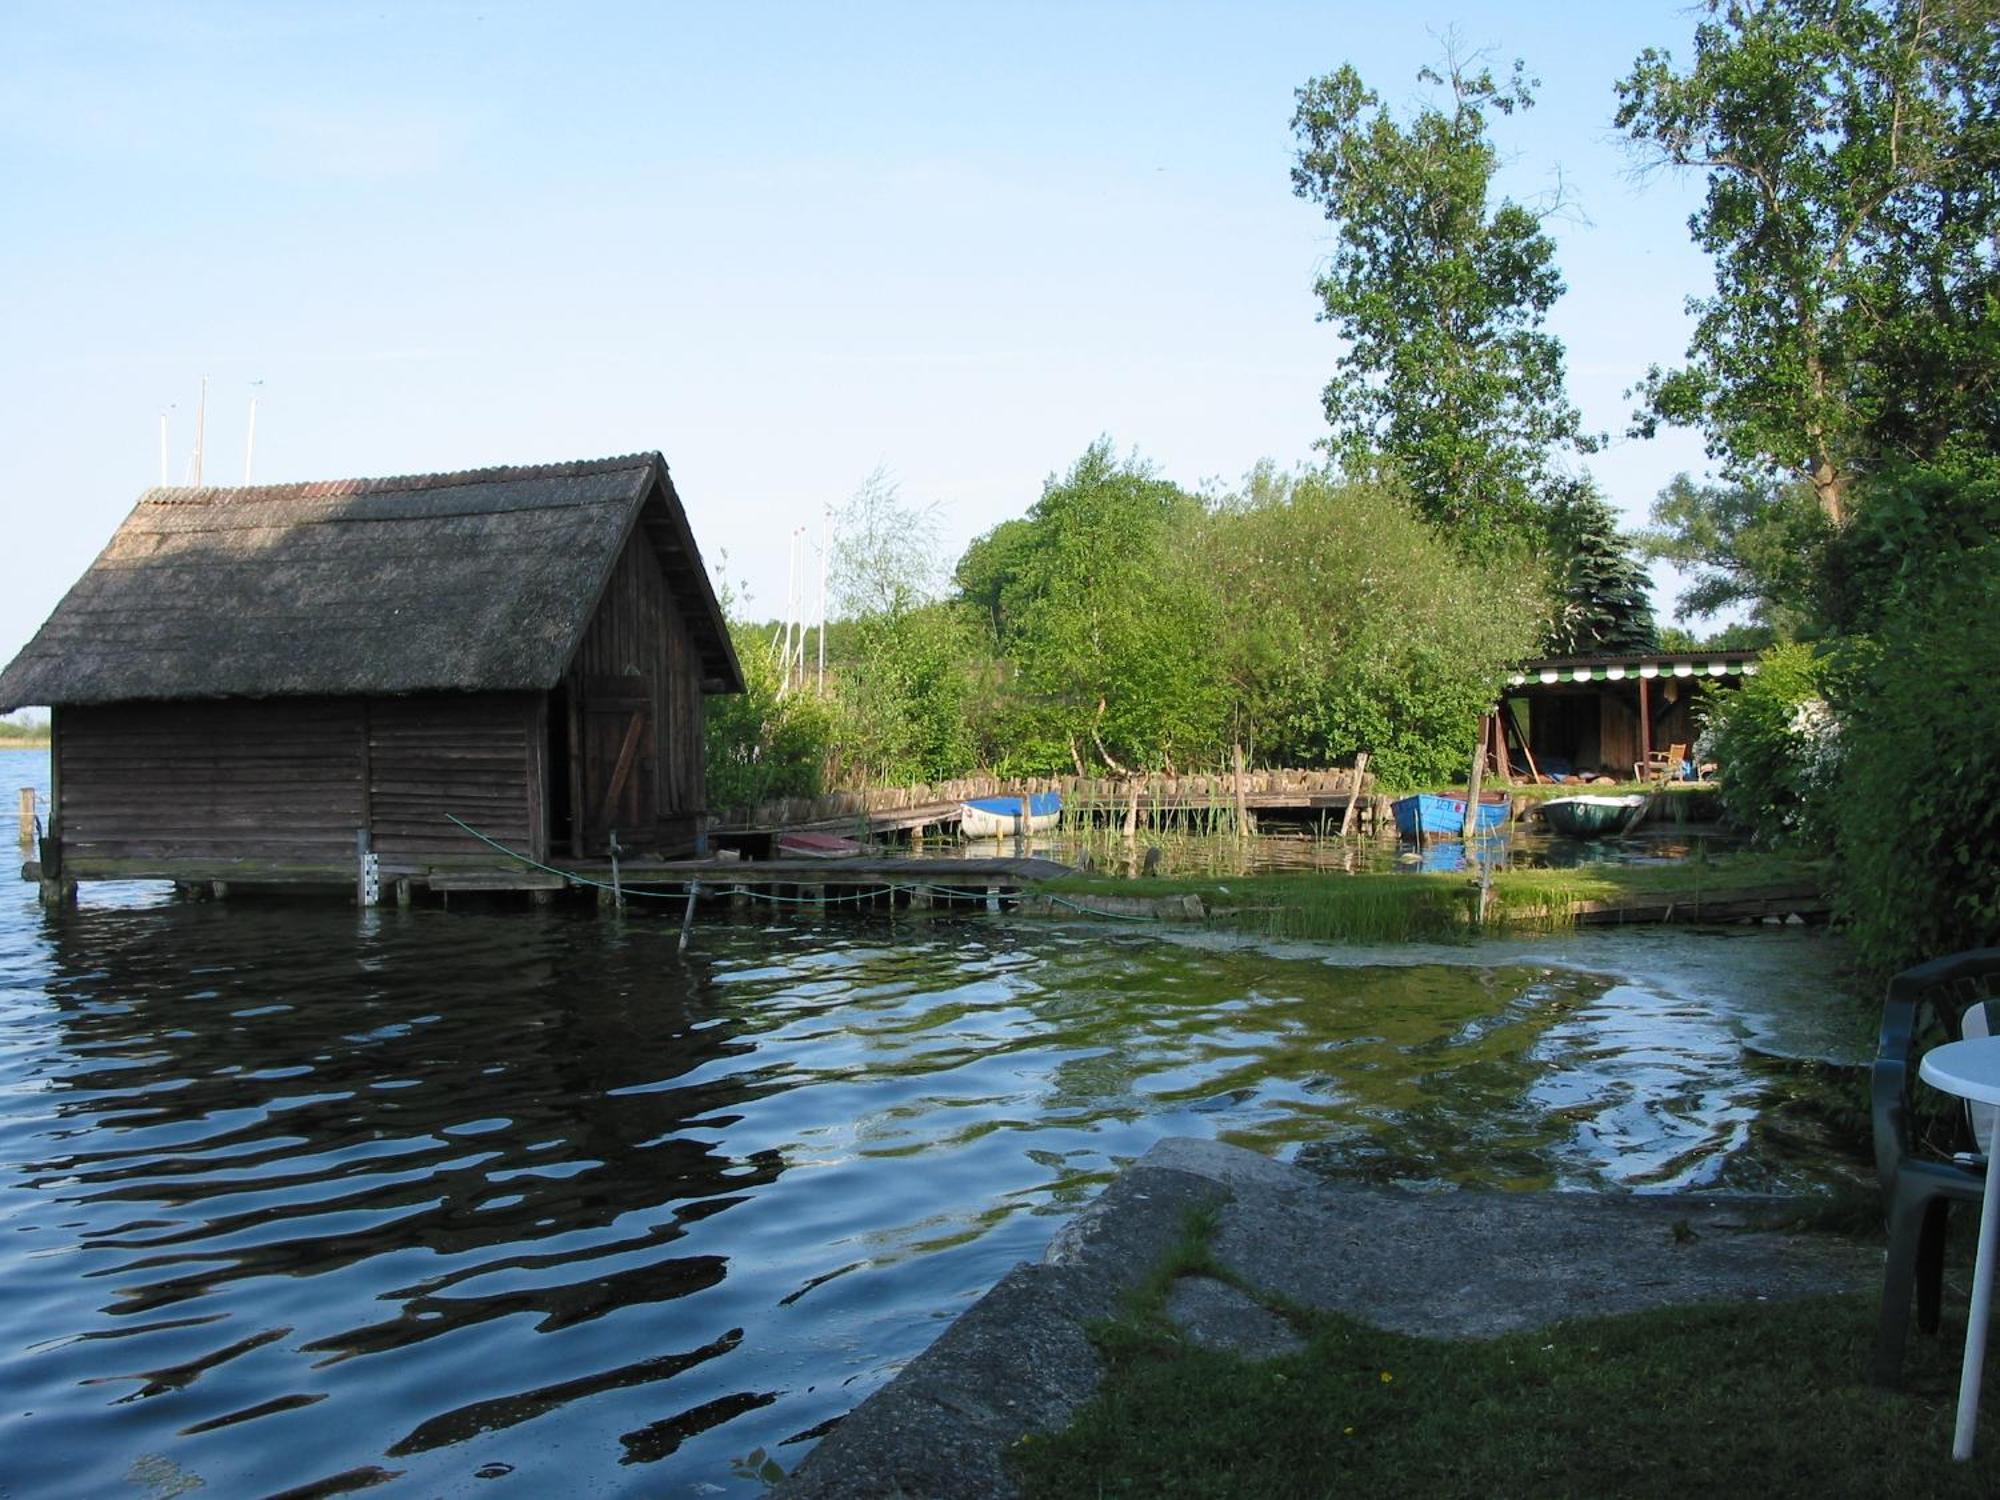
(1606, 714)
(247, 679)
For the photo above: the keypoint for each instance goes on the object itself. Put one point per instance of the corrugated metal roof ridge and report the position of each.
(326, 489)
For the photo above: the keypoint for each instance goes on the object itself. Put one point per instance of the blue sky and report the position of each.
(783, 244)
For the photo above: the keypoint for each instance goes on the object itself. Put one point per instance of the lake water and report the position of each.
(295, 1195)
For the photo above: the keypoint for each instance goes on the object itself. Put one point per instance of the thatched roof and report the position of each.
(482, 581)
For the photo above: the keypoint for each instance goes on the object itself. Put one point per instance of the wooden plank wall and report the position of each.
(638, 634)
(274, 789)
(161, 788)
(476, 755)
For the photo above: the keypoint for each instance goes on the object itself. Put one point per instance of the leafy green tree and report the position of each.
(1735, 637)
(905, 696)
(1852, 153)
(1756, 544)
(903, 671)
(1602, 594)
(1440, 295)
(1345, 624)
(989, 575)
(885, 551)
(1914, 528)
(1110, 633)
(1918, 816)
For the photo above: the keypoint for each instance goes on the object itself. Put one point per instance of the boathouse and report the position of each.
(1606, 714)
(250, 685)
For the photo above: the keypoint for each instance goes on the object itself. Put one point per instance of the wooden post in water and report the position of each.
(1354, 794)
(687, 917)
(1473, 784)
(27, 817)
(1242, 806)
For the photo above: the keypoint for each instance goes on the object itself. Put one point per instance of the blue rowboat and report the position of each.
(1009, 817)
(1431, 814)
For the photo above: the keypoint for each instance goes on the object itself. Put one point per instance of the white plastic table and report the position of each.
(1971, 1070)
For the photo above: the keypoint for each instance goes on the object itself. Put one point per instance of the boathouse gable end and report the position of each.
(246, 677)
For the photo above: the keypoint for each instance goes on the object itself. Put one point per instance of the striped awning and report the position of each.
(1620, 671)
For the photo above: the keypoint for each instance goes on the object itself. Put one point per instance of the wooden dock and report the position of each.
(1140, 801)
(863, 881)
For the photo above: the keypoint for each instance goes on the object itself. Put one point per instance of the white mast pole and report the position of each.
(825, 548)
(250, 442)
(798, 637)
(785, 626)
(200, 429)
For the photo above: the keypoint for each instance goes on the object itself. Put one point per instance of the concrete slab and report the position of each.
(1215, 1315)
(1447, 1265)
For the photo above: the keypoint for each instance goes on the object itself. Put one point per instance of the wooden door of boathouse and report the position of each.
(619, 763)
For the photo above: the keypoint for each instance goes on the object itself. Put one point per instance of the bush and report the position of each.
(763, 743)
(905, 697)
(1777, 745)
(1918, 818)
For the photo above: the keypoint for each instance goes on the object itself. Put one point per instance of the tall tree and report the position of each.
(1440, 294)
(1602, 594)
(1852, 154)
(1111, 633)
(1344, 623)
(906, 669)
(1756, 543)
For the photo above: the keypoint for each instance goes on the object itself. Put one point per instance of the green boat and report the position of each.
(1594, 817)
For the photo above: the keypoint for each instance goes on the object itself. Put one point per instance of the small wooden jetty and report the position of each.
(1141, 801)
(864, 882)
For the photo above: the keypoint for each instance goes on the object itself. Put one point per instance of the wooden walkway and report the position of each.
(861, 881)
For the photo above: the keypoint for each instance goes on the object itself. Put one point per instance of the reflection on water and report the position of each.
(293, 1195)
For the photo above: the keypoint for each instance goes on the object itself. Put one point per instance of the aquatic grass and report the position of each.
(1396, 906)
(1752, 1399)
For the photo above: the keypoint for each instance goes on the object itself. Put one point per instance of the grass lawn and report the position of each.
(1766, 1400)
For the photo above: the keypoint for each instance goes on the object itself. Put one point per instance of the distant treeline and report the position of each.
(1127, 624)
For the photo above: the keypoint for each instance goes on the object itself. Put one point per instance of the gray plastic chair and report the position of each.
(1925, 1154)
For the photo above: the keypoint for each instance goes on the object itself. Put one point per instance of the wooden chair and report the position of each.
(1662, 765)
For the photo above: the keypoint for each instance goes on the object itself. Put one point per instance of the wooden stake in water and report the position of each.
(617, 888)
(687, 917)
(1354, 796)
(27, 817)
(1242, 807)
(1473, 786)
